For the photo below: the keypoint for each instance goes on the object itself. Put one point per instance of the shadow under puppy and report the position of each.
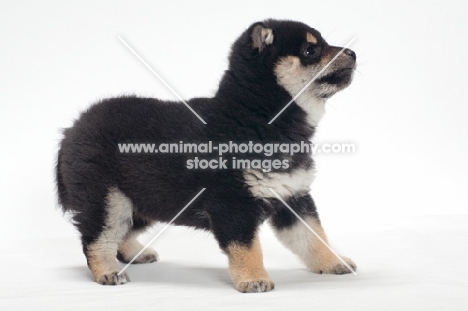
(113, 195)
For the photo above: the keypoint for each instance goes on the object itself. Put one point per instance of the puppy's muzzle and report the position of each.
(341, 70)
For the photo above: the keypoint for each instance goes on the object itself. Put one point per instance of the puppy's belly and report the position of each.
(286, 184)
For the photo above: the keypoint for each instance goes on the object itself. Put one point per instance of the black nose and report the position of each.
(350, 53)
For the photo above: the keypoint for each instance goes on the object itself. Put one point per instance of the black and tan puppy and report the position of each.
(114, 195)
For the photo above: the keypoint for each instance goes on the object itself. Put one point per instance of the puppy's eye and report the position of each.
(311, 50)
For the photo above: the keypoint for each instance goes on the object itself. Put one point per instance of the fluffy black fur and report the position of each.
(159, 185)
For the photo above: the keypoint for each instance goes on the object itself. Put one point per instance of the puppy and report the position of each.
(113, 195)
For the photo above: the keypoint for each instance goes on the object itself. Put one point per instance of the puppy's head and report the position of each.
(293, 54)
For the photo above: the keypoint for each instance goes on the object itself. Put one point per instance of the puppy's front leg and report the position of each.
(235, 227)
(309, 245)
(246, 267)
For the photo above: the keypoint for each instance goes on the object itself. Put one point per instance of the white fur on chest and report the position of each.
(314, 107)
(295, 78)
(285, 184)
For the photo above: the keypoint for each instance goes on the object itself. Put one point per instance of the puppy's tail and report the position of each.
(61, 189)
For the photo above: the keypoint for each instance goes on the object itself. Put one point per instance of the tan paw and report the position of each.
(147, 256)
(255, 286)
(336, 267)
(112, 278)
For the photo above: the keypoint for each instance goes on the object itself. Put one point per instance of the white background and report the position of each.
(406, 109)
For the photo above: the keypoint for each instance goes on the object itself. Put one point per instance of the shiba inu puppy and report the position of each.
(114, 194)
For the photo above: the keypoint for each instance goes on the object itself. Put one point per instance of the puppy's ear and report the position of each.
(261, 37)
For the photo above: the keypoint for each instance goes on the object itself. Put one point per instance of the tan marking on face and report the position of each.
(246, 265)
(311, 38)
(326, 58)
(287, 69)
(293, 76)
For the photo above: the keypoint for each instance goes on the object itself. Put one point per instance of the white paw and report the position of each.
(336, 267)
(112, 278)
(255, 286)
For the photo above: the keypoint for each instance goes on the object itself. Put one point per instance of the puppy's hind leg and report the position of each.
(310, 245)
(130, 247)
(101, 253)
